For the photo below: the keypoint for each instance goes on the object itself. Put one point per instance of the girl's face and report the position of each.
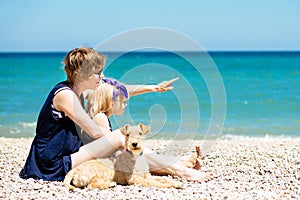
(118, 107)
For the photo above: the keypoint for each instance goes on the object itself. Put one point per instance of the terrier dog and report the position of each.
(128, 168)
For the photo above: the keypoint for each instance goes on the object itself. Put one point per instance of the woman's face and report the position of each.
(118, 107)
(94, 81)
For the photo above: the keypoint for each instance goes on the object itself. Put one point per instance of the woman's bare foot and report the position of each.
(194, 161)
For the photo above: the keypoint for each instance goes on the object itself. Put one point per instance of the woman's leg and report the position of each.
(100, 148)
(167, 165)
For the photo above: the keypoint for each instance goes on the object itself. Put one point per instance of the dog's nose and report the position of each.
(134, 144)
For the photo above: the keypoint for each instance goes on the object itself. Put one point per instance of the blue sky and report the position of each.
(61, 25)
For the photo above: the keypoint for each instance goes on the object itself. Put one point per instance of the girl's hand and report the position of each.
(165, 85)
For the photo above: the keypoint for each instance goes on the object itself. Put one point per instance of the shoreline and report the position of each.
(245, 168)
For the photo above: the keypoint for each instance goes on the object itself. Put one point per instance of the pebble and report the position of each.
(250, 168)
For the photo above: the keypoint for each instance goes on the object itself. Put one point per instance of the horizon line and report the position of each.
(157, 51)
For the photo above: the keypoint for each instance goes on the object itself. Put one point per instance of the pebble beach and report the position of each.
(248, 168)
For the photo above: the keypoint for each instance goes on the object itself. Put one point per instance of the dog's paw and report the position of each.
(112, 184)
(177, 184)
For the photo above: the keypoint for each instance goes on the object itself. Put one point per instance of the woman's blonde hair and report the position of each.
(102, 98)
(81, 63)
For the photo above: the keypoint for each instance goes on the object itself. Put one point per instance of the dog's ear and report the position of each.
(124, 129)
(144, 128)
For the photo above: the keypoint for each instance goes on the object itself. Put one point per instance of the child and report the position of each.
(108, 99)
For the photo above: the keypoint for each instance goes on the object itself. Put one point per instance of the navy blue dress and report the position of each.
(55, 140)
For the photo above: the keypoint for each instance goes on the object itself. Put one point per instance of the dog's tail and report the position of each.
(68, 180)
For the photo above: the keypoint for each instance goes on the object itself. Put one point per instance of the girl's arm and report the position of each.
(101, 120)
(164, 86)
(67, 101)
(134, 90)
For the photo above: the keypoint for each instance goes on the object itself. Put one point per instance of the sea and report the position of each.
(219, 94)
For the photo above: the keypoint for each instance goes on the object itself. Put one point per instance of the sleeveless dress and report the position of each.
(55, 140)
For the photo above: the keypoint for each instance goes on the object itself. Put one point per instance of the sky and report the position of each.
(61, 25)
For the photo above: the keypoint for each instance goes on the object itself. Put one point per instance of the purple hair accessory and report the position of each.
(120, 89)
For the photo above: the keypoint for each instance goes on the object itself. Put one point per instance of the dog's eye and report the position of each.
(141, 133)
(127, 135)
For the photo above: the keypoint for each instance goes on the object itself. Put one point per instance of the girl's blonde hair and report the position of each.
(102, 98)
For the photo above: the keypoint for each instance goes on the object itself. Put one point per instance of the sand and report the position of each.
(244, 169)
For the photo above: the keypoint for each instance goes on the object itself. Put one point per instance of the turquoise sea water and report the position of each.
(261, 88)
